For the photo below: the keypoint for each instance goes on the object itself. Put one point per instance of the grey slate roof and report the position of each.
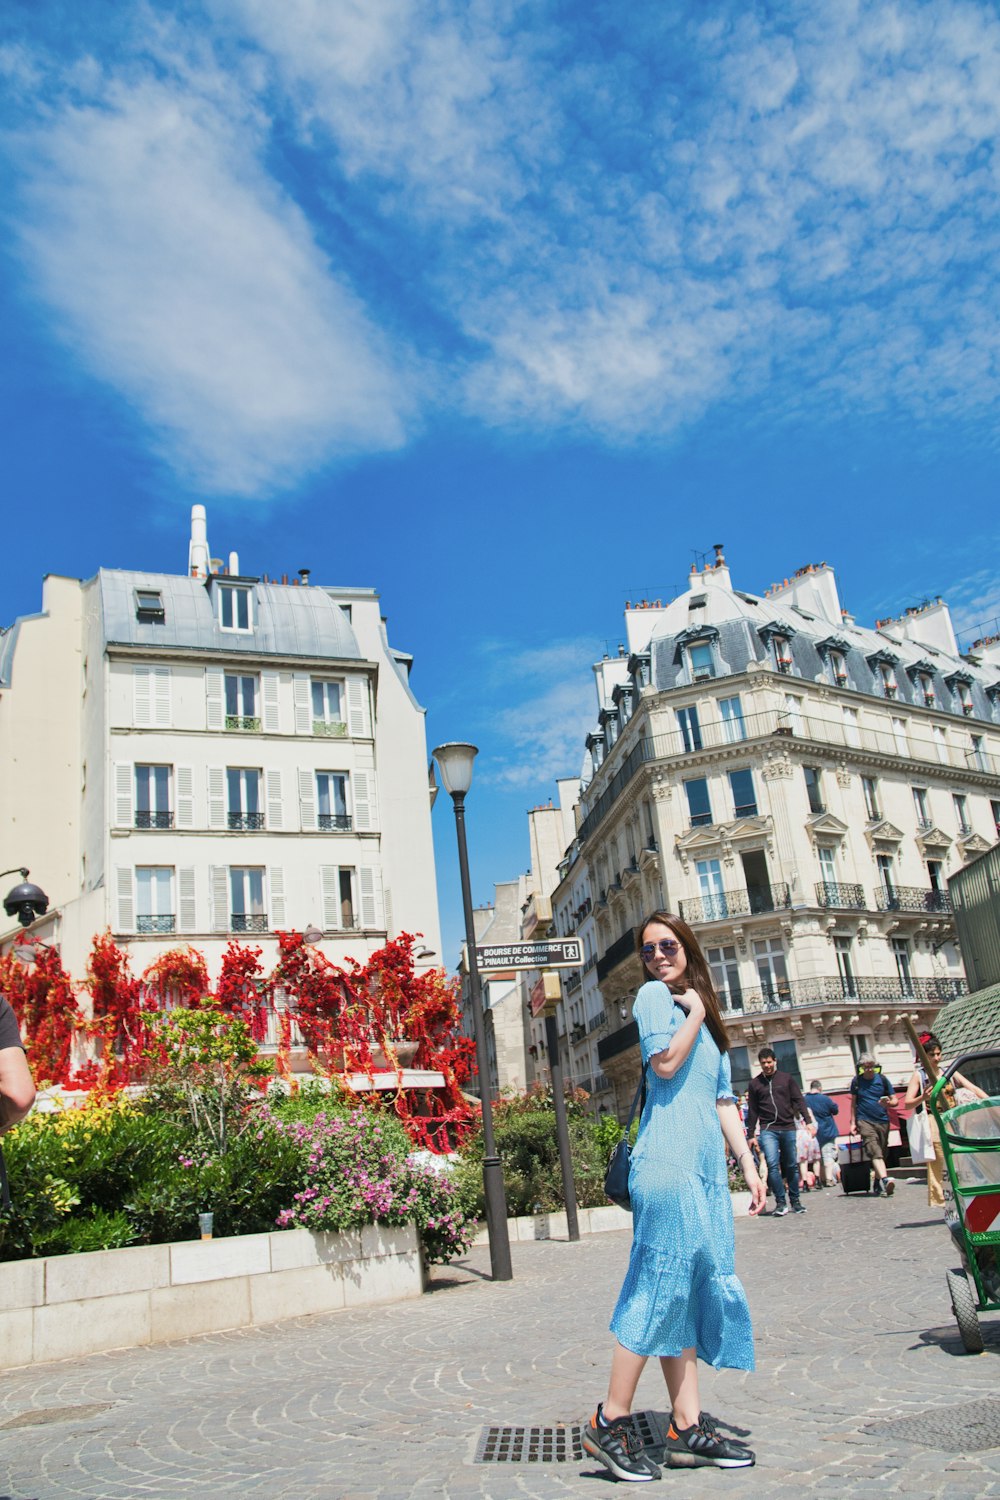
(288, 620)
(970, 1025)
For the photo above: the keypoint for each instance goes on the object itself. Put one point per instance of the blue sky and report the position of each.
(508, 310)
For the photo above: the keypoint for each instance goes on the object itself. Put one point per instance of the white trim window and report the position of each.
(852, 730)
(772, 971)
(701, 661)
(725, 970)
(687, 719)
(332, 802)
(154, 899)
(925, 686)
(328, 707)
(964, 696)
(152, 797)
(235, 608)
(921, 807)
(890, 687)
(781, 648)
(242, 695)
(243, 808)
(838, 669)
(246, 899)
(733, 727)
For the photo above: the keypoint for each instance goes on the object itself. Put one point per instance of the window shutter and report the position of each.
(357, 708)
(215, 698)
(302, 698)
(275, 811)
(187, 909)
(216, 797)
(276, 881)
(387, 910)
(365, 809)
(142, 697)
(219, 875)
(269, 698)
(307, 799)
(330, 887)
(123, 796)
(161, 697)
(185, 796)
(126, 900)
(370, 883)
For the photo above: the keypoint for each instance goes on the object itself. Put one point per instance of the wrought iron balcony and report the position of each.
(149, 925)
(572, 980)
(247, 722)
(334, 729)
(245, 822)
(335, 822)
(911, 898)
(836, 988)
(154, 820)
(721, 905)
(619, 950)
(837, 895)
(241, 921)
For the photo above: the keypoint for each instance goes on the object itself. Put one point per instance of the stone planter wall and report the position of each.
(552, 1226)
(65, 1306)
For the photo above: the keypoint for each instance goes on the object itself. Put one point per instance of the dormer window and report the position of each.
(149, 607)
(890, 687)
(701, 661)
(235, 607)
(964, 698)
(925, 687)
(781, 648)
(838, 669)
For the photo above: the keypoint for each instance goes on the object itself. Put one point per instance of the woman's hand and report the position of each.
(757, 1189)
(690, 1001)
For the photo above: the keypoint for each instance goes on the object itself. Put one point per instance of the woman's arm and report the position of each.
(963, 1083)
(666, 1063)
(913, 1089)
(732, 1130)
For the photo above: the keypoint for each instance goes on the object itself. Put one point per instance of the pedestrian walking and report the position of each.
(774, 1101)
(681, 1300)
(824, 1111)
(872, 1095)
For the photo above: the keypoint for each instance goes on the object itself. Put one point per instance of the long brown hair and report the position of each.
(697, 973)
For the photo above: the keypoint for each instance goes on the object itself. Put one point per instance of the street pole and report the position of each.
(493, 1189)
(562, 1127)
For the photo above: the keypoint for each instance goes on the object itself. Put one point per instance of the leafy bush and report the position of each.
(524, 1126)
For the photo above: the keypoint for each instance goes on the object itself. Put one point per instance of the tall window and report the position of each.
(769, 956)
(941, 743)
(702, 661)
(690, 729)
(331, 801)
(995, 810)
(235, 607)
(845, 965)
(925, 687)
(900, 736)
(241, 701)
(713, 902)
(726, 977)
(852, 732)
(887, 675)
(870, 788)
(921, 807)
(838, 669)
(961, 802)
(935, 875)
(243, 799)
(733, 728)
(698, 804)
(154, 898)
(964, 697)
(977, 755)
(827, 867)
(792, 717)
(901, 953)
(886, 875)
(152, 797)
(246, 891)
(744, 797)
(861, 1046)
(328, 707)
(814, 788)
(787, 1058)
(742, 1069)
(782, 650)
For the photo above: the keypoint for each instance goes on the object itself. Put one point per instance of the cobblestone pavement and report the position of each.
(853, 1327)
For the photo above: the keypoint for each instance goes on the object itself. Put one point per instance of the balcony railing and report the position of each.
(247, 722)
(619, 950)
(838, 895)
(333, 729)
(151, 925)
(572, 981)
(154, 820)
(245, 822)
(724, 904)
(240, 921)
(911, 898)
(335, 822)
(835, 988)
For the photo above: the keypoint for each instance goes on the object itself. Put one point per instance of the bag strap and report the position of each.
(4, 1189)
(640, 1093)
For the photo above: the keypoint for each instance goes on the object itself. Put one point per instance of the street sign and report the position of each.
(554, 953)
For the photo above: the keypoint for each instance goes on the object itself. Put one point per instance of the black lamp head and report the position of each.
(26, 902)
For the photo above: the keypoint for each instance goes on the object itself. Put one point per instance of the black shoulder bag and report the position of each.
(616, 1177)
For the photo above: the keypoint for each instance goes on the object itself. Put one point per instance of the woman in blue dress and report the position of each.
(681, 1299)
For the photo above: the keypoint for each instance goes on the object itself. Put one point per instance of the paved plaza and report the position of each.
(862, 1386)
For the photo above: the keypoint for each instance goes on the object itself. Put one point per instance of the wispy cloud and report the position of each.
(610, 224)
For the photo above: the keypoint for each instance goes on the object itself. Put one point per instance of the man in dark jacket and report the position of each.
(773, 1101)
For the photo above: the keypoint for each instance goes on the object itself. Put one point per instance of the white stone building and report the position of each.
(192, 757)
(798, 788)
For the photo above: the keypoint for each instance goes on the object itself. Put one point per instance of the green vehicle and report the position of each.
(970, 1141)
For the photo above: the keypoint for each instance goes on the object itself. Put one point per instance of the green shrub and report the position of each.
(525, 1132)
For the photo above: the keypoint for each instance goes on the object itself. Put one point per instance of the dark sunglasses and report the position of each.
(667, 947)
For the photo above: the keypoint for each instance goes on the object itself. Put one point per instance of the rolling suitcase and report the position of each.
(855, 1169)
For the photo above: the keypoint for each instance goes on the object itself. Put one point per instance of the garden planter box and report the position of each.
(66, 1306)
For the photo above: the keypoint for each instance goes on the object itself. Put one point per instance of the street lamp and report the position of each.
(455, 764)
(26, 902)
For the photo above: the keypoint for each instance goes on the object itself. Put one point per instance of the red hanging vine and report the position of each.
(44, 1002)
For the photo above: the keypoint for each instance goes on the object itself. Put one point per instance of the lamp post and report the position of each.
(25, 901)
(455, 764)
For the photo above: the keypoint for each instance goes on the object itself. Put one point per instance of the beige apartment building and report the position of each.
(189, 757)
(799, 788)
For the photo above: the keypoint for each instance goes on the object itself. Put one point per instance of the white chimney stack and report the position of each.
(234, 564)
(198, 554)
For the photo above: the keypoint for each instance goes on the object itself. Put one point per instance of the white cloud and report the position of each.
(185, 277)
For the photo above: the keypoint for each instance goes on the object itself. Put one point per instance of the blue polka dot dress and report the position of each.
(681, 1289)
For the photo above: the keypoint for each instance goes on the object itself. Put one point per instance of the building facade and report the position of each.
(196, 757)
(798, 788)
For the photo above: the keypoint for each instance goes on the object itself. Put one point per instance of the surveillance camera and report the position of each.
(26, 902)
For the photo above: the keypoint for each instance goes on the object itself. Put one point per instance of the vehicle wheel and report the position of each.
(963, 1305)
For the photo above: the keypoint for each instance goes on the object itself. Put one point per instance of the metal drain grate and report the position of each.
(970, 1428)
(555, 1445)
